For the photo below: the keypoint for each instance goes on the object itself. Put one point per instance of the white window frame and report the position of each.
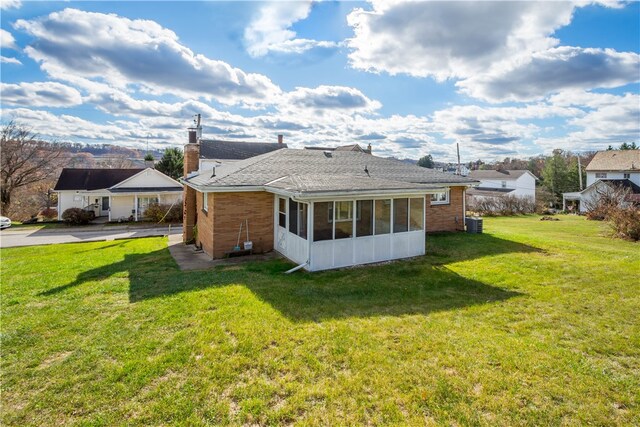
(504, 184)
(440, 202)
(205, 202)
(601, 175)
(626, 176)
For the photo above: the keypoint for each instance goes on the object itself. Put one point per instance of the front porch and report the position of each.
(109, 206)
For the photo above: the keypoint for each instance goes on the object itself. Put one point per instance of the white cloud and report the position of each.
(10, 4)
(74, 44)
(7, 60)
(270, 31)
(7, 41)
(608, 120)
(329, 98)
(40, 94)
(450, 39)
(555, 70)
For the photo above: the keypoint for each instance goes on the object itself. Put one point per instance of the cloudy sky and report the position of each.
(411, 78)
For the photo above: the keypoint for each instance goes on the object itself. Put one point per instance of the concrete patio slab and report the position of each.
(188, 258)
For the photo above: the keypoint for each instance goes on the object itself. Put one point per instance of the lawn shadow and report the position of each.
(418, 286)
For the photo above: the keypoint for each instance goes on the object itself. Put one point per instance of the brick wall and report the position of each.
(218, 229)
(191, 160)
(443, 217)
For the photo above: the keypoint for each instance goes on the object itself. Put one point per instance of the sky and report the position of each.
(501, 79)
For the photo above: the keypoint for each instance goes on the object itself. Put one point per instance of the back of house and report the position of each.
(321, 209)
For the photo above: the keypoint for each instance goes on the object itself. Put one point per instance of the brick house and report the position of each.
(320, 209)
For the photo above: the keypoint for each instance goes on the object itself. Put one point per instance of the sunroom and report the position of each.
(342, 231)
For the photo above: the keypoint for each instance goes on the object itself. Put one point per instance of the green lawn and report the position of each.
(531, 323)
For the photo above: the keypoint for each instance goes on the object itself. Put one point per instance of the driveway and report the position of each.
(31, 237)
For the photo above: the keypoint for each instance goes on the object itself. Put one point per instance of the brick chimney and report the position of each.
(191, 164)
(280, 139)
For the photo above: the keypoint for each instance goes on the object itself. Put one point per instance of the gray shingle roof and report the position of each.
(307, 184)
(494, 174)
(235, 150)
(311, 170)
(92, 179)
(615, 160)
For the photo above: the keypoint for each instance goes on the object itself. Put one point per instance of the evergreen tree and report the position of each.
(171, 163)
(426, 161)
(556, 175)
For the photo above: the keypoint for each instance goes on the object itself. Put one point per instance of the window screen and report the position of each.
(282, 213)
(400, 215)
(416, 214)
(383, 216)
(364, 218)
(322, 221)
(344, 220)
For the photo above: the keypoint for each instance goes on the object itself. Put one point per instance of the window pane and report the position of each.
(282, 205)
(416, 214)
(344, 220)
(364, 218)
(302, 220)
(322, 221)
(282, 220)
(400, 215)
(293, 217)
(383, 216)
(343, 211)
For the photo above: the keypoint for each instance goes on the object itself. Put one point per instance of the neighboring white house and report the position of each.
(611, 167)
(115, 193)
(498, 183)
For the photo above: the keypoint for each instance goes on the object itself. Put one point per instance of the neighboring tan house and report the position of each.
(115, 193)
(214, 152)
(500, 183)
(320, 209)
(606, 171)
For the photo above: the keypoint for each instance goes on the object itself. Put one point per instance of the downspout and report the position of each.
(296, 268)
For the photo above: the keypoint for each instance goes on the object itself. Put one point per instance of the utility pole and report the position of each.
(580, 172)
(458, 150)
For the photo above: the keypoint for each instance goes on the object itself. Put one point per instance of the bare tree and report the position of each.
(25, 160)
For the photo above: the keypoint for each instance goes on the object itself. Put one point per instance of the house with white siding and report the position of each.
(500, 183)
(116, 194)
(607, 170)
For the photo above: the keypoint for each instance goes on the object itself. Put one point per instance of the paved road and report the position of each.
(31, 237)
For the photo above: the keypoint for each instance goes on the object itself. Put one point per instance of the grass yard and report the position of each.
(531, 323)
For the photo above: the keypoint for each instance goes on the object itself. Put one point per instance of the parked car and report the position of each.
(4, 222)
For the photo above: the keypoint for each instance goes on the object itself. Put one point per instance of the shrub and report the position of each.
(77, 216)
(625, 222)
(157, 211)
(48, 214)
(504, 205)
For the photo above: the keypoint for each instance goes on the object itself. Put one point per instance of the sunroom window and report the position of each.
(364, 218)
(383, 216)
(298, 218)
(322, 221)
(282, 213)
(400, 215)
(416, 214)
(344, 220)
